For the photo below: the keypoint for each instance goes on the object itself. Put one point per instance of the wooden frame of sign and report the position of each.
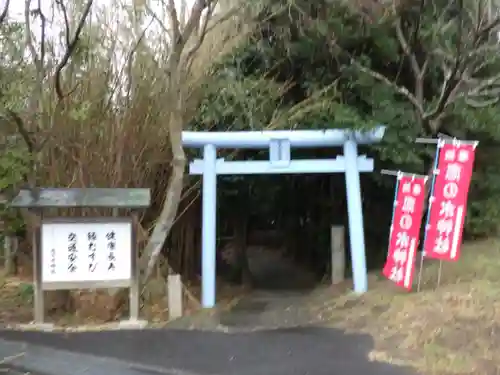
(51, 277)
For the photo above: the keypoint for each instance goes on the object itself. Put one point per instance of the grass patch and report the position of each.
(450, 329)
(16, 300)
(94, 309)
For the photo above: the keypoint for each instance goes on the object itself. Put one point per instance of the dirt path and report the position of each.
(280, 288)
(272, 271)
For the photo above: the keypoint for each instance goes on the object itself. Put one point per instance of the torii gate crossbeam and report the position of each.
(280, 162)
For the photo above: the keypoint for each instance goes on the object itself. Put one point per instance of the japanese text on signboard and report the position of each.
(92, 238)
(449, 202)
(73, 252)
(405, 230)
(110, 237)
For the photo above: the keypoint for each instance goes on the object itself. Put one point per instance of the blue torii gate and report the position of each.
(280, 143)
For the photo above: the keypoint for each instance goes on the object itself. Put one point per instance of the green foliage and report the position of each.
(14, 164)
(16, 86)
(296, 72)
(26, 292)
(16, 74)
(81, 111)
(245, 103)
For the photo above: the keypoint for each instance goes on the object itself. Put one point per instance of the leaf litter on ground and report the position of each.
(453, 328)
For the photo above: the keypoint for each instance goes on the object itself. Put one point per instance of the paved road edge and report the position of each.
(41, 360)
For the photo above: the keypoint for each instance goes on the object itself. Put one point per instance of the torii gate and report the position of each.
(280, 162)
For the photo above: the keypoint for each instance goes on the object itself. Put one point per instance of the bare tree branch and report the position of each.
(451, 81)
(37, 62)
(71, 43)
(472, 47)
(67, 31)
(13, 116)
(157, 19)
(176, 120)
(5, 12)
(29, 39)
(28, 140)
(174, 22)
(201, 35)
(183, 11)
(407, 49)
(130, 58)
(193, 22)
(489, 28)
(399, 89)
(43, 21)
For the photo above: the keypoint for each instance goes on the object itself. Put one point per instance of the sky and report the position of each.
(17, 6)
(109, 13)
(112, 11)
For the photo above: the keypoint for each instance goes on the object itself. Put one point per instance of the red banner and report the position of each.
(405, 231)
(448, 204)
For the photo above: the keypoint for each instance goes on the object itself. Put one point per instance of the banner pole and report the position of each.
(399, 175)
(431, 195)
(444, 139)
(448, 139)
(439, 273)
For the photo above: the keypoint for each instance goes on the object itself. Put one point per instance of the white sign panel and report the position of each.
(86, 251)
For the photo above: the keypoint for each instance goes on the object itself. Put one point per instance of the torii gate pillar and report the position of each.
(355, 217)
(279, 144)
(209, 227)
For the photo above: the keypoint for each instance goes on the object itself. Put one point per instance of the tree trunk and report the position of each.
(170, 205)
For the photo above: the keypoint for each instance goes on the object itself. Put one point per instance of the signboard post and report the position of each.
(84, 253)
(405, 229)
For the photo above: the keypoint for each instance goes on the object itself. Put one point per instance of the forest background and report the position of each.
(102, 103)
